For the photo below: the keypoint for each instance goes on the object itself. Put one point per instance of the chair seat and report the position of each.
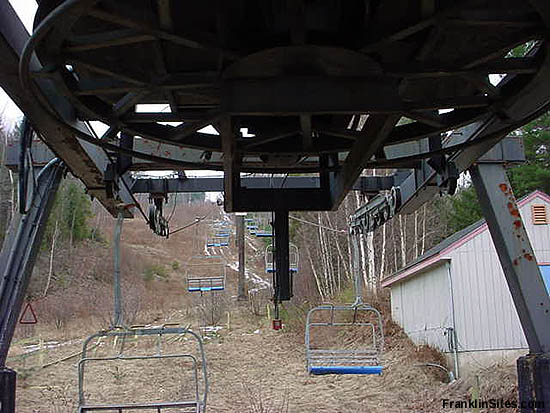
(139, 406)
(318, 370)
(271, 270)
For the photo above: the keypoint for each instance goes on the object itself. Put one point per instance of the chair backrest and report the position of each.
(205, 284)
(292, 258)
(360, 326)
(206, 273)
(177, 347)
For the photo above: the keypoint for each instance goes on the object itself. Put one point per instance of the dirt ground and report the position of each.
(251, 368)
(248, 366)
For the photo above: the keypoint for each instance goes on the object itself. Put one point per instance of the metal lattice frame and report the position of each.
(196, 404)
(392, 64)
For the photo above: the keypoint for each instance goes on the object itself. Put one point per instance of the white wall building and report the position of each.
(459, 285)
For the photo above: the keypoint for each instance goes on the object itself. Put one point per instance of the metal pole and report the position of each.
(283, 285)
(515, 253)
(241, 294)
(523, 277)
(8, 381)
(358, 284)
(118, 319)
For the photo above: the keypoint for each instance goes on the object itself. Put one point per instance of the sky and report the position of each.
(26, 10)
(10, 113)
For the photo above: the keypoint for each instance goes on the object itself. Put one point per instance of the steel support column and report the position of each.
(231, 178)
(16, 262)
(282, 282)
(356, 267)
(522, 275)
(241, 293)
(118, 319)
(8, 380)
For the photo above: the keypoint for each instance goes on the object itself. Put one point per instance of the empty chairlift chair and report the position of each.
(212, 242)
(222, 231)
(115, 358)
(292, 259)
(206, 273)
(216, 241)
(361, 326)
(251, 226)
(264, 234)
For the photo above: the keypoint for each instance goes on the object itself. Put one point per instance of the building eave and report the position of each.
(431, 261)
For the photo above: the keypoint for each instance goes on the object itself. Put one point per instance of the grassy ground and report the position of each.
(251, 368)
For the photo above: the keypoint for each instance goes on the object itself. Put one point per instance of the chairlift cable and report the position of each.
(341, 231)
(197, 220)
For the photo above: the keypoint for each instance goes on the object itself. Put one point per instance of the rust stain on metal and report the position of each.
(528, 257)
(513, 210)
(517, 223)
(515, 262)
(503, 188)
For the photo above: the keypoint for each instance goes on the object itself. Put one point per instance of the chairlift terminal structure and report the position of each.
(429, 89)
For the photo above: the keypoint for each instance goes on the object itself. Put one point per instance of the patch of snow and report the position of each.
(47, 345)
(211, 329)
(251, 245)
(258, 281)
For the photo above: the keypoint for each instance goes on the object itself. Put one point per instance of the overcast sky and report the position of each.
(10, 113)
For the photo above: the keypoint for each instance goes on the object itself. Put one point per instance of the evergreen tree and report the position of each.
(71, 211)
(463, 209)
(535, 173)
